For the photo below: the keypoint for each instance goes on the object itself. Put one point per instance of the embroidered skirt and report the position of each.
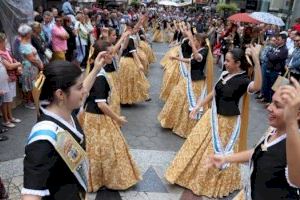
(158, 36)
(148, 50)
(111, 164)
(144, 59)
(188, 169)
(134, 86)
(170, 79)
(114, 100)
(175, 113)
(174, 51)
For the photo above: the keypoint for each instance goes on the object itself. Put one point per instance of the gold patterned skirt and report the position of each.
(188, 169)
(134, 86)
(171, 78)
(143, 58)
(158, 36)
(111, 164)
(148, 50)
(166, 36)
(114, 100)
(174, 51)
(175, 113)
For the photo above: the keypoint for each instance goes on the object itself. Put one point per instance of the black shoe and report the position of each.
(3, 138)
(3, 130)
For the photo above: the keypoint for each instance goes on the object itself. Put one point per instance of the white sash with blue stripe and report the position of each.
(75, 158)
(216, 140)
(186, 74)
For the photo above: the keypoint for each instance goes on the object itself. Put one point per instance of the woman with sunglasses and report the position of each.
(59, 40)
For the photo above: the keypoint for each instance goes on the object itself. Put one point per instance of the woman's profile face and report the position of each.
(230, 64)
(113, 37)
(275, 111)
(76, 93)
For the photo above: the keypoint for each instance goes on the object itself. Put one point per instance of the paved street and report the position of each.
(152, 147)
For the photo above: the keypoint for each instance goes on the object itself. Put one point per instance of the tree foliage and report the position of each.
(232, 7)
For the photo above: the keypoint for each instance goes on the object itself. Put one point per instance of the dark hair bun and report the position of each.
(59, 75)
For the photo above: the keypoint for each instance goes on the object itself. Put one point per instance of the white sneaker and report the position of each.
(15, 120)
(8, 124)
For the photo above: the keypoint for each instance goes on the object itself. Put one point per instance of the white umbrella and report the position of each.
(267, 18)
(167, 3)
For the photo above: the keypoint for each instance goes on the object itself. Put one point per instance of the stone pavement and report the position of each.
(152, 147)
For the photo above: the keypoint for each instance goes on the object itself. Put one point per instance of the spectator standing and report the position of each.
(59, 40)
(296, 26)
(293, 62)
(71, 42)
(269, 46)
(290, 42)
(275, 67)
(38, 41)
(48, 26)
(11, 66)
(31, 64)
(81, 39)
(68, 11)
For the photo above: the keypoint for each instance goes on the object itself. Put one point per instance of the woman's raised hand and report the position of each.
(99, 61)
(291, 98)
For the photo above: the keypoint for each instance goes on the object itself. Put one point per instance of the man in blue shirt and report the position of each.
(68, 11)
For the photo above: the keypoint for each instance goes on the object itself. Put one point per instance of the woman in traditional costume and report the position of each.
(220, 130)
(172, 73)
(145, 46)
(174, 48)
(111, 69)
(111, 164)
(274, 161)
(158, 34)
(175, 113)
(55, 163)
(141, 53)
(134, 86)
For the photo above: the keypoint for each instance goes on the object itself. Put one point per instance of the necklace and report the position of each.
(264, 146)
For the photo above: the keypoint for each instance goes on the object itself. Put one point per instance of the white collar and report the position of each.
(276, 141)
(55, 116)
(101, 72)
(225, 79)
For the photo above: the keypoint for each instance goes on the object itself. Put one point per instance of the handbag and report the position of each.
(281, 80)
(48, 53)
(36, 91)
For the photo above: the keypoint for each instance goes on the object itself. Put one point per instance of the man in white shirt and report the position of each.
(290, 42)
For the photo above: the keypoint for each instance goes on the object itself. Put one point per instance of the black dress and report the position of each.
(197, 68)
(186, 48)
(129, 49)
(99, 93)
(268, 178)
(228, 94)
(44, 169)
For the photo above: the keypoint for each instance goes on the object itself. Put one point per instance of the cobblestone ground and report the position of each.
(152, 147)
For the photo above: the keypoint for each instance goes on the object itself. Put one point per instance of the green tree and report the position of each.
(227, 9)
(135, 3)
